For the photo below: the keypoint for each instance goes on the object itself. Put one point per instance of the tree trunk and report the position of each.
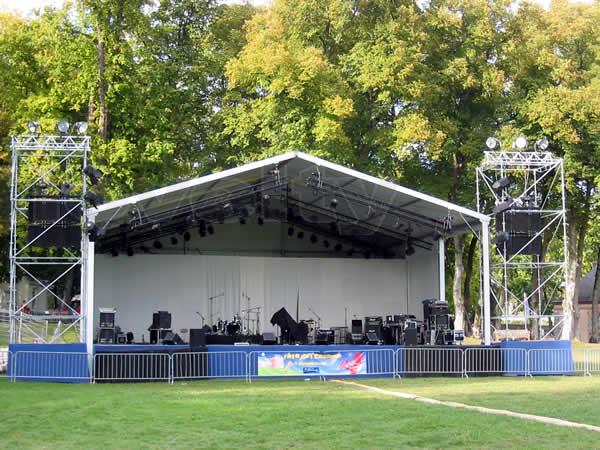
(102, 104)
(570, 294)
(595, 298)
(457, 292)
(468, 278)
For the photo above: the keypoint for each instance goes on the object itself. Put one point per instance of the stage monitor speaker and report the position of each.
(121, 338)
(129, 337)
(372, 338)
(106, 336)
(197, 338)
(410, 337)
(171, 338)
(357, 326)
(325, 337)
(107, 317)
(269, 339)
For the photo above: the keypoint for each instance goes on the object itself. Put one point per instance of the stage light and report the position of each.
(210, 229)
(129, 251)
(145, 249)
(398, 224)
(80, 127)
(33, 127)
(290, 231)
(333, 203)
(266, 197)
(63, 126)
(338, 247)
(114, 252)
(93, 199)
(174, 240)
(500, 184)
(93, 173)
(242, 220)
(157, 245)
(202, 232)
(542, 144)
(367, 255)
(313, 238)
(492, 143)
(326, 243)
(410, 250)
(503, 206)
(190, 220)
(66, 188)
(520, 143)
(300, 234)
(260, 221)
(187, 236)
(244, 212)
(350, 252)
(408, 230)
(370, 212)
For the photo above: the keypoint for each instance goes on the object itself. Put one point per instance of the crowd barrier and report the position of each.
(402, 362)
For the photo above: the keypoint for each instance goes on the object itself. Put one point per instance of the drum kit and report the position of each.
(229, 327)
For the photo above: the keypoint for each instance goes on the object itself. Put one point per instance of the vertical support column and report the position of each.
(88, 282)
(442, 268)
(485, 256)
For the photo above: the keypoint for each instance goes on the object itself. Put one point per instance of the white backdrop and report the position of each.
(333, 288)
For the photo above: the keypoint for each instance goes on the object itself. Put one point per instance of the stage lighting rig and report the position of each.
(93, 174)
(80, 127)
(63, 126)
(520, 143)
(542, 144)
(492, 143)
(93, 199)
(33, 127)
(503, 206)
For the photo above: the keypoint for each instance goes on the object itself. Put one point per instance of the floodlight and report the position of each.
(520, 143)
(492, 143)
(542, 143)
(500, 184)
(80, 127)
(33, 127)
(93, 199)
(334, 203)
(63, 126)
(93, 173)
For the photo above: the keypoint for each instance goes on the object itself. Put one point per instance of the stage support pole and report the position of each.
(89, 300)
(485, 256)
(442, 268)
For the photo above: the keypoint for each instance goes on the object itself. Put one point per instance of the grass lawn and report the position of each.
(282, 414)
(570, 398)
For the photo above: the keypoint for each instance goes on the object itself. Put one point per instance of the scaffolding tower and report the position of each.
(524, 191)
(46, 169)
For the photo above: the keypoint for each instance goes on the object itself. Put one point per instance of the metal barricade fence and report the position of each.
(495, 361)
(132, 367)
(556, 361)
(199, 365)
(321, 364)
(432, 361)
(580, 361)
(5, 362)
(592, 361)
(51, 366)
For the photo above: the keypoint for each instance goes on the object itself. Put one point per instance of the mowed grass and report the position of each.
(269, 414)
(570, 398)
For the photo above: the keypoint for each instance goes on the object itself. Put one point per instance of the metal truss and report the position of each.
(50, 161)
(536, 186)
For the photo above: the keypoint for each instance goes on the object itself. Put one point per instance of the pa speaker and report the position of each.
(197, 338)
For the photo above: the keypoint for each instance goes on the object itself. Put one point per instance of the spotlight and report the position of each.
(114, 252)
(333, 203)
(267, 197)
(90, 227)
(129, 251)
(338, 247)
(300, 234)
(542, 144)
(187, 236)
(520, 143)
(210, 229)
(326, 243)
(63, 126)
(260, 221)
(242, 220)
(174, 240)
(65, 189)
(313, 238)
(93, 173)
(501, 237)
(155, 226)
(93, 199)
(190, 220)
(202, 232)
(290, 231)
(157, 245)
(500, 184)
(503, 206)
(492, 143)
(33, 127)
(80, 127)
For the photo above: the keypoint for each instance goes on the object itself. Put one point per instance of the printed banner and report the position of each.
(292, 364)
